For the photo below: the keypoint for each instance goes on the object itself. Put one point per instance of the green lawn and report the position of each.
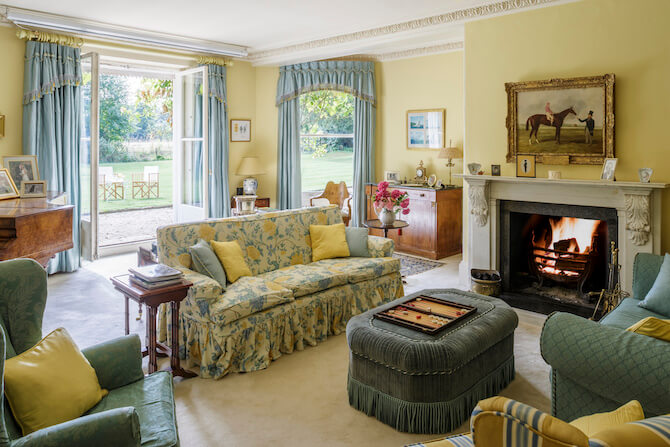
(126, 170)
(335, 166)
(572, 141)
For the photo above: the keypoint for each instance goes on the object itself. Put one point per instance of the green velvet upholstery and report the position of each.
(138, 411)
(598, 367)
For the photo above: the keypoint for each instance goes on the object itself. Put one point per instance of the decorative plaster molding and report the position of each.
(416, 52)
(479, 205)
(477, 12)
(637, 218)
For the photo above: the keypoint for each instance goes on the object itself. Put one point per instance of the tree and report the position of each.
(116, 118)
(326, 112)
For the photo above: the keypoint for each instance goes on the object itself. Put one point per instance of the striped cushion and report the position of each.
(450, 441)
(652, 432)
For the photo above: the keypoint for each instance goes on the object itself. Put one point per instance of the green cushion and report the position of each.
(206, 262)
(357, 240)
(658, 297)
(627, 314)
(154, 403)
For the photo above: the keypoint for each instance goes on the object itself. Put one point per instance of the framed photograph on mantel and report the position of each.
(425, 129)
(561, 121)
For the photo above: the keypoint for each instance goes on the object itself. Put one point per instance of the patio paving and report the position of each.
(132, 225)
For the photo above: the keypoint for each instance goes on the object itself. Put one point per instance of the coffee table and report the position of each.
(422, 383)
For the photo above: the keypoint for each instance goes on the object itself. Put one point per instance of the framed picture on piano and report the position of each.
(7, 187)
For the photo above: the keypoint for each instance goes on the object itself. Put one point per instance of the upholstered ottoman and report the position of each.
(421, 383)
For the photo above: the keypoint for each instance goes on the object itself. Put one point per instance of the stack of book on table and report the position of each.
(154, 276)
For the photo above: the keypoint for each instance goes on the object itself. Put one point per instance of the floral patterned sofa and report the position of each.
(288, 303)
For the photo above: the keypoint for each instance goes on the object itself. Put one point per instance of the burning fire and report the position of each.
(568, 235)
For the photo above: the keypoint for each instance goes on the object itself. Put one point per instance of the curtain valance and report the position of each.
(217, 82)
(49, 66)
(354, 77)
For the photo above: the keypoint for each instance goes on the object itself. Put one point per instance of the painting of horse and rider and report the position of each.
(559, 118)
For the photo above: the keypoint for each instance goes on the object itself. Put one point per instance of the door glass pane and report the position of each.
(192, 105)
(85, 149)
(192, 154)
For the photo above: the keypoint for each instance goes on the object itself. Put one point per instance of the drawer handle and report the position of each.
(422, 195)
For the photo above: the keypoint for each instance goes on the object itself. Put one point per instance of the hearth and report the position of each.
(553, 255)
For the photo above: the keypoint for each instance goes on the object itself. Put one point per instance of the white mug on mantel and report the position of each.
(555, 175)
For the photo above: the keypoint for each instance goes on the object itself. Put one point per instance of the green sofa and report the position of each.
(597, 367)
(138, 411)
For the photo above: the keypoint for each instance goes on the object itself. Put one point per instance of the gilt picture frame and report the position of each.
(7, 187)
(33, 188)
(425, 129)
(561, 121)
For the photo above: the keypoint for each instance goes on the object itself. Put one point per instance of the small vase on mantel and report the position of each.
(386, 216)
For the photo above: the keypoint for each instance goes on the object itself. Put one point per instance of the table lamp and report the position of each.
(249, 167)
(449, 153)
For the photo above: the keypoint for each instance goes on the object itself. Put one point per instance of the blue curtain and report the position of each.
(219, 195)
(353, 77)
(52, 127)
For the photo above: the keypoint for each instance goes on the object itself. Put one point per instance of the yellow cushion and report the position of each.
(231, 257)
(50, 383)
(594, 423)
(652, 327)
(328, 241)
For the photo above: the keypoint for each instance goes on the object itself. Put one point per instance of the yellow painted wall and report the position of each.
(427, 82)
(266, 133)
(11, 88)
(628, 38)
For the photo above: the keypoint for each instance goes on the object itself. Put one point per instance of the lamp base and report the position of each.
(250, 185)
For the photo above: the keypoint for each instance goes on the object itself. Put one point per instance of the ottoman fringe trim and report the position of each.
(427, 417)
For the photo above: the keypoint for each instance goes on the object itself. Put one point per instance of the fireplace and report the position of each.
(552, 256)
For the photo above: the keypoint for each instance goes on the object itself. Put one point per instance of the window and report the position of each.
(326, 140)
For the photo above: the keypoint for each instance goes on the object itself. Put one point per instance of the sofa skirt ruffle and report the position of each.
(251, 343)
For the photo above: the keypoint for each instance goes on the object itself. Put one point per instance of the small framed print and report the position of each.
(34, 188)
(7, 187)
(609, 166)
(495, 170)
(393, 177)
(2, 125)
(425, 129)
(525, 166)
(21, 168)
(240, 130)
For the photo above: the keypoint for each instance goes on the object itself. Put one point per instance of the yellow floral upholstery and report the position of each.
(258, 318)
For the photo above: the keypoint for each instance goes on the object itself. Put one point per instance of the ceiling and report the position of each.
(293, 30)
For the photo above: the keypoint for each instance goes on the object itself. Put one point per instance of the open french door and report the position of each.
(191, 155)
(88, 156)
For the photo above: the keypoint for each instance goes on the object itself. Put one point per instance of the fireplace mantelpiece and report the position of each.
(638, 207)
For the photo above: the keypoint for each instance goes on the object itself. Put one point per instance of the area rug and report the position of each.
(410, 265)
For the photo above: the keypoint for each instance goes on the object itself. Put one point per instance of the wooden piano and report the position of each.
(35, 228)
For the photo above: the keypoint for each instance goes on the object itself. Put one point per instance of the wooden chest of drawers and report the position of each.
(435, 221)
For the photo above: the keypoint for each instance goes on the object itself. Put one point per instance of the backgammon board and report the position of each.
(426, 314)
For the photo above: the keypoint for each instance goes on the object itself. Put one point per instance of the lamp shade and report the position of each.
(449, 153)
(250, 166)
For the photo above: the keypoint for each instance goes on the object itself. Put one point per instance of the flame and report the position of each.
(580, 232)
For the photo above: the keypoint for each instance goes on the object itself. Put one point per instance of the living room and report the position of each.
(545, 245)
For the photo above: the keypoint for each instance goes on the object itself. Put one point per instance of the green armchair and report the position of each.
(138, 411)
(597, 367)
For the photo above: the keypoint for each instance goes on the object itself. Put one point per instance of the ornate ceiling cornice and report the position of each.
(477, 12)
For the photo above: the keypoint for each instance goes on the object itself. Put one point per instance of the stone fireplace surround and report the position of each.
(638, 207)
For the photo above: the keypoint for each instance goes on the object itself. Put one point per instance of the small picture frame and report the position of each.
(425, 129)
(240, 130)
(495, 170)
(7, 187)
(525, 166)
(2, 125)
(609, 167)
(645, 174)
(393, 177)
(34, 188)
(21, 168)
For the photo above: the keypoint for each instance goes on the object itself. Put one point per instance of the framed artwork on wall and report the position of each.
(240, 130)
(561, 121)
(425, 129)
(21, 168)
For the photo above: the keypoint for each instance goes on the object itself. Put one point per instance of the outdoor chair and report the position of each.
(336, 195)
(146, 185)
(110, 185)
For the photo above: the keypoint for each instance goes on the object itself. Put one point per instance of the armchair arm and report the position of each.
(380, 247)
(119, 427)
(116, 362)
(203, 287)
(611, 362)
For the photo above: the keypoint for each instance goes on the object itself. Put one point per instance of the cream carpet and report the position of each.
(301, 400)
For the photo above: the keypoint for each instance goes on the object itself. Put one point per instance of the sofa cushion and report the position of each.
(231, 257)
(628, 313)
(154, 403)
(652, 327)
(246, 296)
(357, 240)
(306, 279)
(361, 269)
(328, 241)
(658, 298)
(204, 261)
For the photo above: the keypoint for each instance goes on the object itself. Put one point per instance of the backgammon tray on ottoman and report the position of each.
(427, 314)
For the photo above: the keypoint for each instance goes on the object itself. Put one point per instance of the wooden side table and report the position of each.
(261, 202)
(152, 299)
(396, 225)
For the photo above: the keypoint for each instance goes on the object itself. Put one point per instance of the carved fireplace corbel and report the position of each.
(479, 204)
(638, 222)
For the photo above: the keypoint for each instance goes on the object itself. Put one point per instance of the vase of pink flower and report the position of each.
(389, 203)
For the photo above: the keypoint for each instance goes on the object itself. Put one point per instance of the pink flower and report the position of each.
(382, 185)
(389, 206)
(377, 203)
(405, 211)
(405, 203)
(396, 193)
